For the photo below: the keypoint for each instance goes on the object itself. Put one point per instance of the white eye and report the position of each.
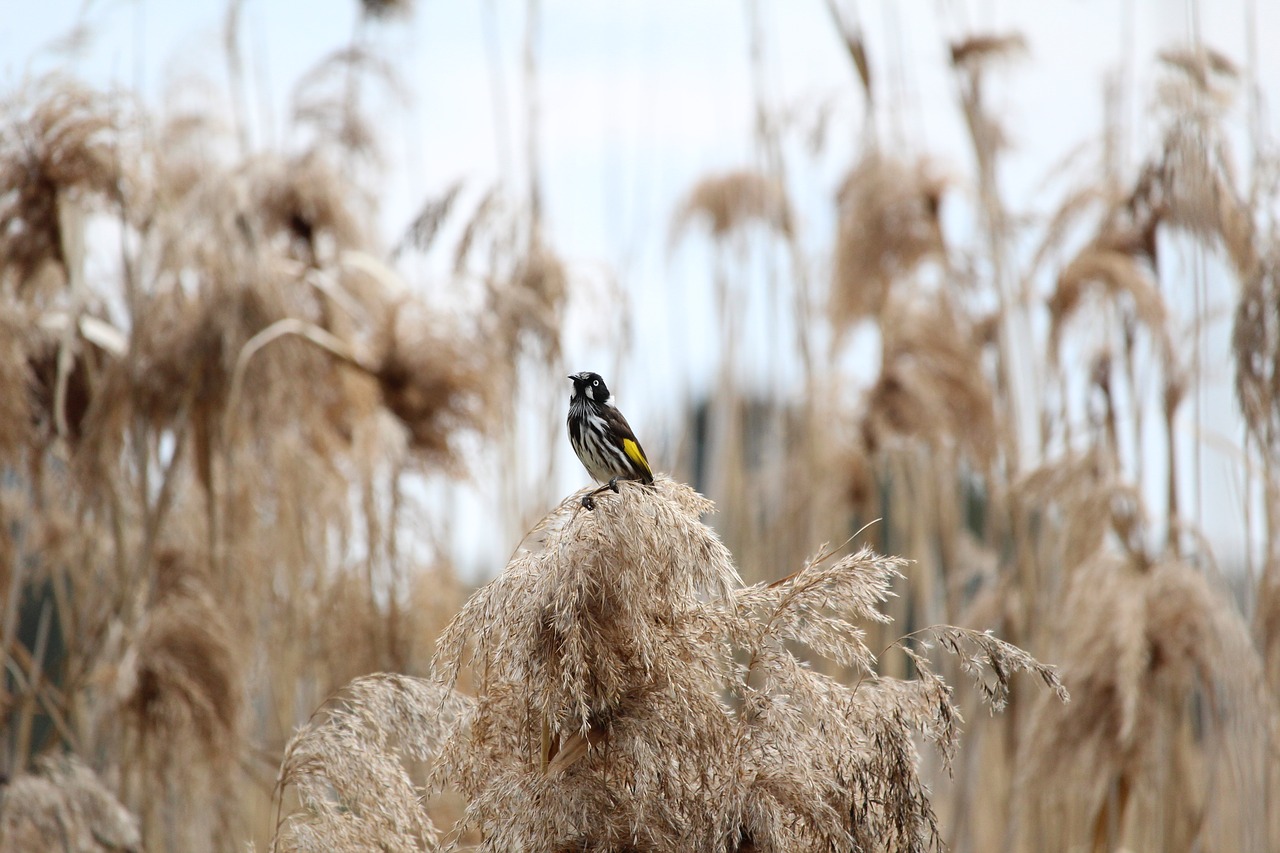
(595, 382)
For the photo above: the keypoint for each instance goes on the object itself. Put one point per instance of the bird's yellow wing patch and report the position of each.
(636, 455)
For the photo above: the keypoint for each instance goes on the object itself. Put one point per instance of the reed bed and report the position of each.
(226, 619)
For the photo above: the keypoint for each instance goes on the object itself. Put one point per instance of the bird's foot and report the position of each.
(589, 500)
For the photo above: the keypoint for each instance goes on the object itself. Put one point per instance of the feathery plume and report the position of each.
(63, 805)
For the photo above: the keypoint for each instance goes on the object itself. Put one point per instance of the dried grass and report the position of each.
(1076, 497)
(307, 203)
(530, 303)
(182, 681)
(888, 226)
(59, 149)
(631, 695)
(855, 45)
(433, 382)
(978, 50)
(526, 282)
(972, 59)
(1255, 342)
(1120, 279)
(731, 201)
(64, 800)
(1148, 650)
(346, 767)
(932, 382)
(1198, 194)
(1204, 79)
(187, 492)
(422, 232)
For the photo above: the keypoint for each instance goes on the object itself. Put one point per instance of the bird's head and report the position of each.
(591, 386)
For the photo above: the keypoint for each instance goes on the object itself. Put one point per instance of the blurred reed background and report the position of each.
(256, 442)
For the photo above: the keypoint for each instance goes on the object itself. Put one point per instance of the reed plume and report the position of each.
(62, 799)
(630, 694)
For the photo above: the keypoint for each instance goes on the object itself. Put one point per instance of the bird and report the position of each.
(601, 436)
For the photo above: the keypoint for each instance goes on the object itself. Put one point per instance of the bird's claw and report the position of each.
(589, 501)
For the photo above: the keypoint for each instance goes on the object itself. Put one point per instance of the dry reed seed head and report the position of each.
(1204, 81)
(484, 218)
(890, 808)
(820, 606)
(1073, 493)
(888, 225)
(1129, 522)
(1142, 646)
(360, 629)
(1132, 220)
(530, 303)
(1081, 748)
(1072, 212)
(306, 203)
(188, 344)
(1115, 277)
(992, 663)
(976, 51)
(653, 780)
(526, 282)
(348, 766)
(171, 350)
(1199, 63)
(622, 628)
(588, 618)
(421, 233)
(434, 381)
(186, 365)
(932, 382)
(1197, 188)
(191, 150)
(1255, 343)
(601, 628)
(58, 146)
(179, 572)
(730, 201)
(62, 805)
(826, 764)
(183, 679)
(972, 58)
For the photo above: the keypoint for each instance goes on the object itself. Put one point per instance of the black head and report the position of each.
(591, 386)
